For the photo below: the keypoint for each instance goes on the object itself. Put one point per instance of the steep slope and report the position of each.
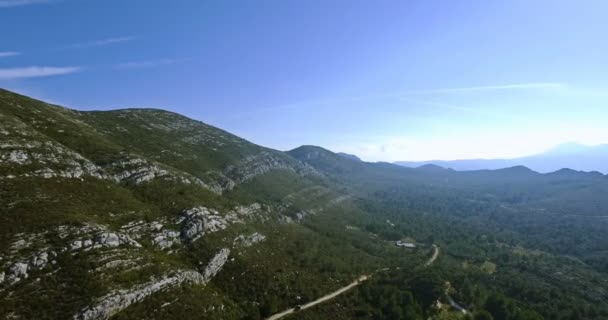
(102, 212)
(146, 214)
(136, 145)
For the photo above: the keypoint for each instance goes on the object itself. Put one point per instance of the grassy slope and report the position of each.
(306, 260)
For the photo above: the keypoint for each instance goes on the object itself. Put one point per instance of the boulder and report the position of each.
(77, 244)
(107, 239)
(39, 260)
(17, 272)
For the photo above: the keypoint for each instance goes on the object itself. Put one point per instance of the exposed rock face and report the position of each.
(120, 299)
(139, 171)
(201, 220)
(216, 264)
(19, 270)
(166, 239)
(52, 160)
(248, 211)
(104, 240)
(45, 158)
(107, 239)
(248, 241)
(263, 162)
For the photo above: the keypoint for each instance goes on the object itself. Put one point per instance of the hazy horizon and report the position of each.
(386, 81)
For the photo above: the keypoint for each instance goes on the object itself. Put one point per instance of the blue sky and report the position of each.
(386, 80)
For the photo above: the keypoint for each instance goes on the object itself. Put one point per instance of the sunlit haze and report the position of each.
(385, 80)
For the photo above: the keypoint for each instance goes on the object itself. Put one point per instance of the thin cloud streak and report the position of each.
(20, 3)
(406, 97)
(515, 86)
(9, 54)
(148, 63)
(98, 43)
(35, 72)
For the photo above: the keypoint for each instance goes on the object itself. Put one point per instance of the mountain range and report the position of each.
(147, 214)
(569, 155)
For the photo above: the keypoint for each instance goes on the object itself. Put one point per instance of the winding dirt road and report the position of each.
(434, 257)
(342, 290)
(322, 299)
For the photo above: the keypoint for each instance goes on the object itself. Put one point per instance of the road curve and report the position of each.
(434, 257)
(324, 298)
(342, 290)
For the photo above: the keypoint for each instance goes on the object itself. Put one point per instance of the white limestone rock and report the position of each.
(112, 240)
(40, 260)
(107, 239)
(216, 264)
(75, 245)
(166, 239)
(17, 272)
(248, 241)
(201, 220)
(119, 300)
(19, 157)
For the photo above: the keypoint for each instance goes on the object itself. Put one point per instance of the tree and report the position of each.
(482, 315)
(498, 306)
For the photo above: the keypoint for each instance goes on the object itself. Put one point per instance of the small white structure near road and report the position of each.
(405, 244)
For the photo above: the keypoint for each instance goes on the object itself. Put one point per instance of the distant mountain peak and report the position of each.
(571, 155)
(517, 169)
(430, 166)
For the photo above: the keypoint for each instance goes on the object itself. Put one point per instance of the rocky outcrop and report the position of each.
(18, 271)
(166, 239)
(39, 261)
(216, 264)
(138, 171)
(263, 162)
(248, 241)
(250, 211)
(52, 160)
(199, 221)
(118, 300)
(104, 240)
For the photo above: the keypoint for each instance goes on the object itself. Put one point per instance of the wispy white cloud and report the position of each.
(19, 3)
(149, 63)
(4, 54)
(98, 43)
(35, 72)
(406, 95)
(513, 86)
(458, 108)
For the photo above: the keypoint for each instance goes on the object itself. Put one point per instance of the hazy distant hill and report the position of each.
(569, 155)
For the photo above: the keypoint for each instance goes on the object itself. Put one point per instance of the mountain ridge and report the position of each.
(141, 213)
(569, 155)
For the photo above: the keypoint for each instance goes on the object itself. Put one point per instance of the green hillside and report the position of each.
(146, 214)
